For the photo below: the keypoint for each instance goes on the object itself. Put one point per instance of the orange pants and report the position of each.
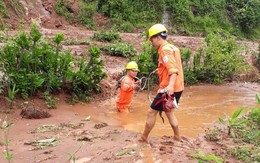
(123, 108)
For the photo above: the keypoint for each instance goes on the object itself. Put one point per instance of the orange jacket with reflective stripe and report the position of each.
(169, 62)
(126, 91)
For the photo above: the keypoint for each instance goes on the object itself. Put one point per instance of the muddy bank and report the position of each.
(113, 137)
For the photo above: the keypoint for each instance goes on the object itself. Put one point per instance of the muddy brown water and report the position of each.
(200, 106)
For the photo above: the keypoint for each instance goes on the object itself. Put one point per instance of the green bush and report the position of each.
(127, 27)
(139, 13)
(31, 64)
(244, 13)
(3, 10)
(222, 59)
(85, 16)
(62, 8)
(85, 80)
(147, 60)
(107, 36)
(120, 49)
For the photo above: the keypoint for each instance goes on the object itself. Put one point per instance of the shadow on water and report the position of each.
(200, 106)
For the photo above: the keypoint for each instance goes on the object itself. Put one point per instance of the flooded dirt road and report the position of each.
(199, 107)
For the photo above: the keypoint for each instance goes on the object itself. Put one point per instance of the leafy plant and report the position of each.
(3, 10)
(62, 8)
(218, 62)
(50, 102)
(75, 41)
(11, 95)
(6, 127)
(86, 12)
(201, 157)
(120, 49)
(107, 36)
(234, 121)
(72, 156)
(213, 134)
(246, 153)
(85, 81)
(17, 6)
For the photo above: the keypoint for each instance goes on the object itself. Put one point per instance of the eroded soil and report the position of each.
(95, 132)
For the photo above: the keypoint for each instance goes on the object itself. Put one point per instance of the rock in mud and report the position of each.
(34, 112)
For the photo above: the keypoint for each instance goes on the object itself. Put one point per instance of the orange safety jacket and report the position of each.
(169, 62)
(125, 94)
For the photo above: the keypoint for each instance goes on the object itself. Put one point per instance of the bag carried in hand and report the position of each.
(169, 102)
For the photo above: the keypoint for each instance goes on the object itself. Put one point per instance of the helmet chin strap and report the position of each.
(163, 34)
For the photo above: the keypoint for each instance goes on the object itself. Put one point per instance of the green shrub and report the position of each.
(201, 157)
(17, 6)
(139, 13)
(107, 36)
(120, 49)
(127, 27)
(222, 59)
(246, 153)
(85, 16)
(62, 8)
(85, 81)
(243, 13)
(32, 65)
(218, 62)
(147, 59)
(75, 41)
(3, 10)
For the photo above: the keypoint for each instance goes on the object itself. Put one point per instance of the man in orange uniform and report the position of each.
(171, 79)
(127, 86)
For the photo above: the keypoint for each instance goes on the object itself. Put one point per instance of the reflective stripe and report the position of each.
(173, 65)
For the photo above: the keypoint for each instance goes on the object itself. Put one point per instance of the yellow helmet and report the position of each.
(132, 66)
(155, 29)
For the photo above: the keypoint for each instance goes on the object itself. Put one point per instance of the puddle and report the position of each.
(200, 106)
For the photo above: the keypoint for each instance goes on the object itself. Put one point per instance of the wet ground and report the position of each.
(199, 106)
(113, 137)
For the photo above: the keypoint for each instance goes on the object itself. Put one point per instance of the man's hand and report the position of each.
(155, 71)
(137, 84)
(170, 90)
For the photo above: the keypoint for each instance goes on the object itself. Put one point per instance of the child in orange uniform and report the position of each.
(127, 86)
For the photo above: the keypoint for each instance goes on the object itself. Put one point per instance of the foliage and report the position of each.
(234, 121)
(222, 59)
(50, 102)
(86, 12)
(255, 113)
(107, 36)
(75, 41)
(147, 59)
(32, 65)
(85, 81)
(213, 134)
(72, 156)
(246, 153)
(136, 13)
(218, 62)
(17, 6)
(120, 49)
(6, 141)
(201, 157)
(62, 8)
(11, 95)
(244, 14)
(3, 10)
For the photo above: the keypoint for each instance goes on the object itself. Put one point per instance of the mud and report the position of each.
(113, 137)
(96, 132)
